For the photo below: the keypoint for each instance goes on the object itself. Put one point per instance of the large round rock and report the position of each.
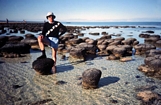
(43, 66)
(90, 78)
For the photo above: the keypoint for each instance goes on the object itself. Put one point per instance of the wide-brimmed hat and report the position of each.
(50, 14)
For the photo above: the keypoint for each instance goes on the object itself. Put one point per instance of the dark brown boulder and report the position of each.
(43, 66)
(89, 48)
(90, 78)
(77, 53)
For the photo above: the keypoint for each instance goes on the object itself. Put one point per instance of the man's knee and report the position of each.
(40, 39)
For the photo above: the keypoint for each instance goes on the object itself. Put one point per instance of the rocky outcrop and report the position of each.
(142, 48)
(152, 64)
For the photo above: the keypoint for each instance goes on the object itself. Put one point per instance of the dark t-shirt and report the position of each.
(52, 30)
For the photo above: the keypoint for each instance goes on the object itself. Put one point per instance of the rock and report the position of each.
(155, 36)
(80, 34)
(74, 41)
(90, 78)
(102, 47)
(66, 37)
(61, 47)
(91, 41)
(149, 31)
(129, 41)
(89, 48)
(151, 39)
(14, 39)
(3, 40)
(149, 97)
(77, 53)
(43, 66)
(158, 43)
(119, 39)
(106, 37)
(104, 33)
(119, 51)
(142, 48)
(152, 66)
(144, 35)
(22, 31)
(109, 49)
(14, 50)
(94, 33)
(111, 57)
(153, 52)
(153, 62)
(115, 43)
(125, 59)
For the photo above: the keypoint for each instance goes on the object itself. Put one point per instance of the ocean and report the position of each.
(157, 24)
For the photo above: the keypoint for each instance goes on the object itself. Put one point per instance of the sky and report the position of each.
(82, 10)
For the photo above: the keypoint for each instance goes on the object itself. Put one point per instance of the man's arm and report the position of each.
(44, 30)
(63, 29)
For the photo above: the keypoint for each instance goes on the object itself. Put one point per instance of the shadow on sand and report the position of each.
(108, 80)
(64, 68)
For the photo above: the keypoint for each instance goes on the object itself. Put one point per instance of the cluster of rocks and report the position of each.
(15, 46)
(81, 48)
(151, 39)
(152, 66)
(21, 27)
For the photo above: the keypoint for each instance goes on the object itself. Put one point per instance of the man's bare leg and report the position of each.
(41, 42)
(54, 51)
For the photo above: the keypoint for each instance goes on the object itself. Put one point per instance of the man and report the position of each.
(50, 36)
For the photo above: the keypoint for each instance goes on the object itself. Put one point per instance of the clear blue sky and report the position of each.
(82, 10)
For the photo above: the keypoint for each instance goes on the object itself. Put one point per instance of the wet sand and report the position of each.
(21, 85)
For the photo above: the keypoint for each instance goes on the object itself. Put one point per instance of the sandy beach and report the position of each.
(119, 84)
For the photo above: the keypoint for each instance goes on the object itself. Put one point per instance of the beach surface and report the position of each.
(21, 85)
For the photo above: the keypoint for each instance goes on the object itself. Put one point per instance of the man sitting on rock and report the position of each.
(51, 32)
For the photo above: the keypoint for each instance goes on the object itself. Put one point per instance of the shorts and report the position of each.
(53, 42)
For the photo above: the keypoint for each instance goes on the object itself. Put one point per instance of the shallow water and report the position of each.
(21, 85)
